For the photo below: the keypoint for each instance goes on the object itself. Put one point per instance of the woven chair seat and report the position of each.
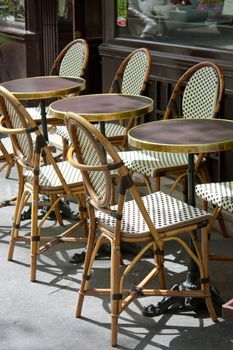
(111, 130)
(35, 112)
(49, 178)
(149, 162)
(165, 212)
(6, 141)
(220, 194)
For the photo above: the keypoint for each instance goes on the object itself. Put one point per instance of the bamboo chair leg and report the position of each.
(20, 201)
(87, 263)
(57, 210)
(157, 183)
(205, 283)
(34, 237)
(83, 212)
(222, 225)
(148, 184)
(159, 260)
(115, 289)
(65, 147)
(8, 171)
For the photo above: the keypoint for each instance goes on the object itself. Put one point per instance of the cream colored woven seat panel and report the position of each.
(72, 62)
(49, 178)
(6, 141)
(35, 112)
(62, 131)
(220, 194)
(134, 74)
(200, 94)
(111, 130)
(166, 212)
(149, 162)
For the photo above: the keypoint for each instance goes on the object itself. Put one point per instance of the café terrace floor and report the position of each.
(41, 315)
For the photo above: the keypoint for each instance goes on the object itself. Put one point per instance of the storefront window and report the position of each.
(12, 13)
(65, 11)
(203, 23)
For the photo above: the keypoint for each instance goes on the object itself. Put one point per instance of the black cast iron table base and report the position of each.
(187, 303)
(192, 281)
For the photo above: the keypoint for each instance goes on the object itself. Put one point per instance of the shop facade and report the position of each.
(179, 33)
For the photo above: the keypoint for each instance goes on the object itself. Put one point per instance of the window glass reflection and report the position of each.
(205, 23)
(12, 13)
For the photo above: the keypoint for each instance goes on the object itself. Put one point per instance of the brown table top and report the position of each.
(44, 87)
(102, 107)
(183, 135)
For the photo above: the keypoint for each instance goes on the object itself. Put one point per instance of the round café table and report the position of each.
(185, 136)
(44, 87)
(102, 107)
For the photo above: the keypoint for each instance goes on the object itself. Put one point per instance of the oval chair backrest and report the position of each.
(75, 59)
(136, 72)
(14, 117)
(201, 94)
(89, 153)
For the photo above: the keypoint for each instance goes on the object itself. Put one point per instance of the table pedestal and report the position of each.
(193, 276)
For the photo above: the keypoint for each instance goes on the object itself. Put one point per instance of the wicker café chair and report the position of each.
(220, 195)
(151, 220)
(202, 86)
(131, 78)
(71, 62)
(57, 180)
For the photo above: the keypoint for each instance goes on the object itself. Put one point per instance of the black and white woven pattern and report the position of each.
(49, 178)
(72, 62)
(90, 157)
(24, 140)
(149, 162)
(220, 194)
(35, 112)
(200, 94)
(166, 212)
(6, 141)
(134, 74)
(111, 130)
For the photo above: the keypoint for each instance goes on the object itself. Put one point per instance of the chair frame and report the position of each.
(31, 159)
(152, 239)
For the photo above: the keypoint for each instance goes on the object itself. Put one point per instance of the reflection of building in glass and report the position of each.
(153, 18)
(12, 11)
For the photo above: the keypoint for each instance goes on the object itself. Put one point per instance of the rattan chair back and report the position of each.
(19, 123)
(72, 60)
(92, 161)
(201, 88)
(133, 73)
(93, 152)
